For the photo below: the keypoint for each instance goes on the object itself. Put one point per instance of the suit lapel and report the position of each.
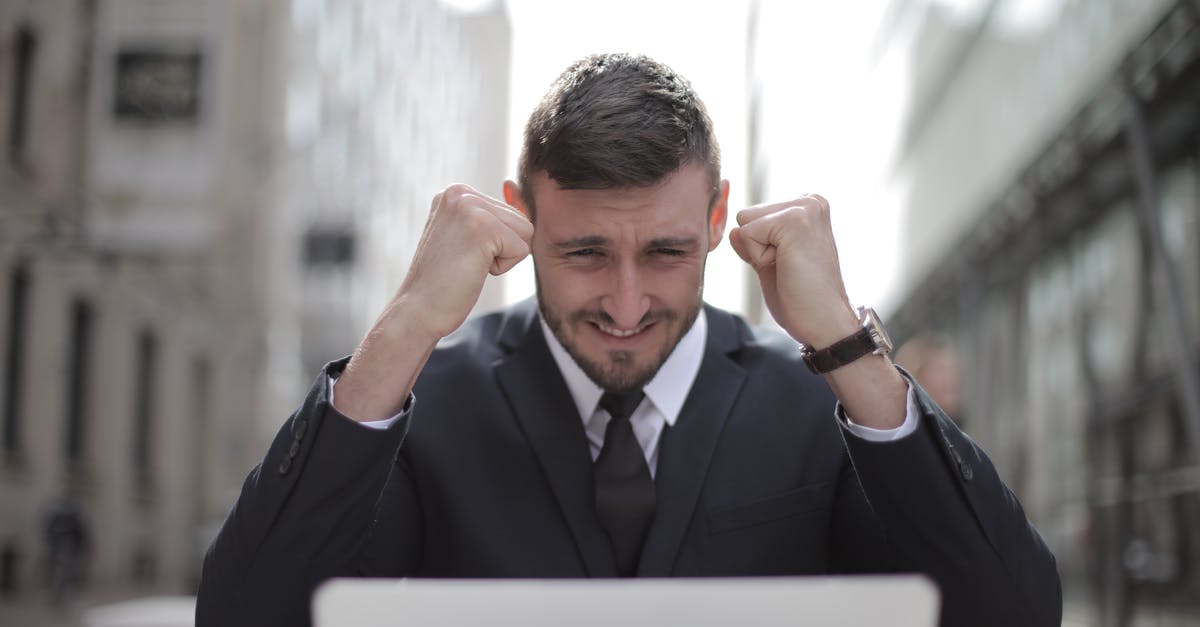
(686, 449)
(543, 407)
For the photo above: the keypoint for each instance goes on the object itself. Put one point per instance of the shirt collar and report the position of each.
(667, 390)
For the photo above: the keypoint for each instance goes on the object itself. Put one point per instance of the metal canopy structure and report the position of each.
(1075, 302)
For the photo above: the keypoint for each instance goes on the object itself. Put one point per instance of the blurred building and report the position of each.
(200, 203)
(1050, 164)
(383, 104)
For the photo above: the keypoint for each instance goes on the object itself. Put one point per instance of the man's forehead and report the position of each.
(685, 189)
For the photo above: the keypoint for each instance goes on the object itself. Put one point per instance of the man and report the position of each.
(932, 361)
(66, 538)
(620, 427)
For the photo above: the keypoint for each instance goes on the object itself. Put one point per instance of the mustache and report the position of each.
(660, 315)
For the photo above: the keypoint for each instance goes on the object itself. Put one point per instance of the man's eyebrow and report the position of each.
(673, 242)
(582, 242)
(588, 241)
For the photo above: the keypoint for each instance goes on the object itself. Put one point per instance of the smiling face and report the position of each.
(620, 271)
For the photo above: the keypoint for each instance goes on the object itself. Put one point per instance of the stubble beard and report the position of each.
(618, 375)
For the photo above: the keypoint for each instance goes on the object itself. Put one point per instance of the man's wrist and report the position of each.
(870, 338)
(378, 425)
(873, 434)
(872, 390)
(836, 326)
(406, 320)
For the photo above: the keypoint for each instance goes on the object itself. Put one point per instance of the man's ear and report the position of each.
(512, 196)
(717, 215)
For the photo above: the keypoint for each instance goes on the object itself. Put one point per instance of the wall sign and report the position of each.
(157, 86)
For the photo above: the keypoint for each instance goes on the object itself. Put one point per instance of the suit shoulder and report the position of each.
(733, 332)
(476, 341)
(771, 355)
(775, 351)
(777, 343)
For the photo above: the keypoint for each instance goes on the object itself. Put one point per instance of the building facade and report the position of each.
(1050, 162)
(200, 202)
(383, 105)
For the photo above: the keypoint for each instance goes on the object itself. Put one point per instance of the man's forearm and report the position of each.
(384, 368)
(872, 391)
(302, 515)
(942, 504)
(870, 388)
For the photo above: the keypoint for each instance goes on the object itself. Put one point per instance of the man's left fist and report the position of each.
(790, 245)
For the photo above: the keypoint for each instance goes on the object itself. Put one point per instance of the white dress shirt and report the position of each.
(665, 394)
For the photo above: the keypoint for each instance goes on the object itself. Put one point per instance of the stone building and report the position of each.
(200, 202)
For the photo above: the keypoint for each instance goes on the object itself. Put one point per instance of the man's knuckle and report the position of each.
(456, 190)
(476, 220)
(818, 203)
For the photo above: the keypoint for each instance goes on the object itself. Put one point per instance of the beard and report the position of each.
(618, 372)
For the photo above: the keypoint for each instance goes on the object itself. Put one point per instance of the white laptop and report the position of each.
(896, 601)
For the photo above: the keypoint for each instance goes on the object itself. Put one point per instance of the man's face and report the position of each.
(620, 272)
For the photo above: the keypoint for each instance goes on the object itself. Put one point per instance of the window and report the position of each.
(8, 570)
(22, 80)
(201, 423)
(18, 296)
(328, 246)
(144, 566)
(157, 85)
(78, 380)
(143, 423)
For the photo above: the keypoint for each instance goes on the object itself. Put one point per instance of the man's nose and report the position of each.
(627, 302)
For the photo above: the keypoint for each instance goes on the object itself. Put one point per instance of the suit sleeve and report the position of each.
(306, 513)
(945, 512)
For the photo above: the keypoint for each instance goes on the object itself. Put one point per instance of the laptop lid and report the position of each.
(897, 601)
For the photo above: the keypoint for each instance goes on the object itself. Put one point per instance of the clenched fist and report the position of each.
(468, 235)
(790, 245)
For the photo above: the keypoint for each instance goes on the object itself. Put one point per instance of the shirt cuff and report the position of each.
(378, 425)
(911, 419)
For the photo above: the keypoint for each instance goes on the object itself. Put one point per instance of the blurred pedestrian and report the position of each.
(66, 537)
(933, 361)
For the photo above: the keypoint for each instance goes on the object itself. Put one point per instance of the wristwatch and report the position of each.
(871, 339)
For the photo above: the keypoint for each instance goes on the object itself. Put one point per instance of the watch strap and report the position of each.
(840, 353)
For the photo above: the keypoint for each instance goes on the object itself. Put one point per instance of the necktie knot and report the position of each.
(621, 406)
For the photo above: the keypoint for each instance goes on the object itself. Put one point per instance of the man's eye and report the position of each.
(583, 252)
(670, 252)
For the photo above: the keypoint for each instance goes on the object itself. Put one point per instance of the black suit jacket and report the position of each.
(487, 474)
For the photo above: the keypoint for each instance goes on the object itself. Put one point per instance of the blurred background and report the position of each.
(201, 202)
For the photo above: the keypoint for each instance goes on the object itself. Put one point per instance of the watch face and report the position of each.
(883, 342)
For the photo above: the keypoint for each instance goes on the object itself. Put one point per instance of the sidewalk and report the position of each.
(33, 609)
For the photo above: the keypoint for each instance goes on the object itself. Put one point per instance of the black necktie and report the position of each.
(624, 488)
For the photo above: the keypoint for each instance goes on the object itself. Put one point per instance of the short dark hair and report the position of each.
(615, 121)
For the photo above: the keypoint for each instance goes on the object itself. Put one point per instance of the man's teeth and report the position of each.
(619, 333)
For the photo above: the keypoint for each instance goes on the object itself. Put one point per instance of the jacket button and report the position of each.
(965, 469)
(300, 428)
(285, 466)
(295, 449)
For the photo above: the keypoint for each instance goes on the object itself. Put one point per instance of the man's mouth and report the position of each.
(615, 332)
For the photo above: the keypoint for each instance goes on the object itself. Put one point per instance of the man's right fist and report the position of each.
(467, 236)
